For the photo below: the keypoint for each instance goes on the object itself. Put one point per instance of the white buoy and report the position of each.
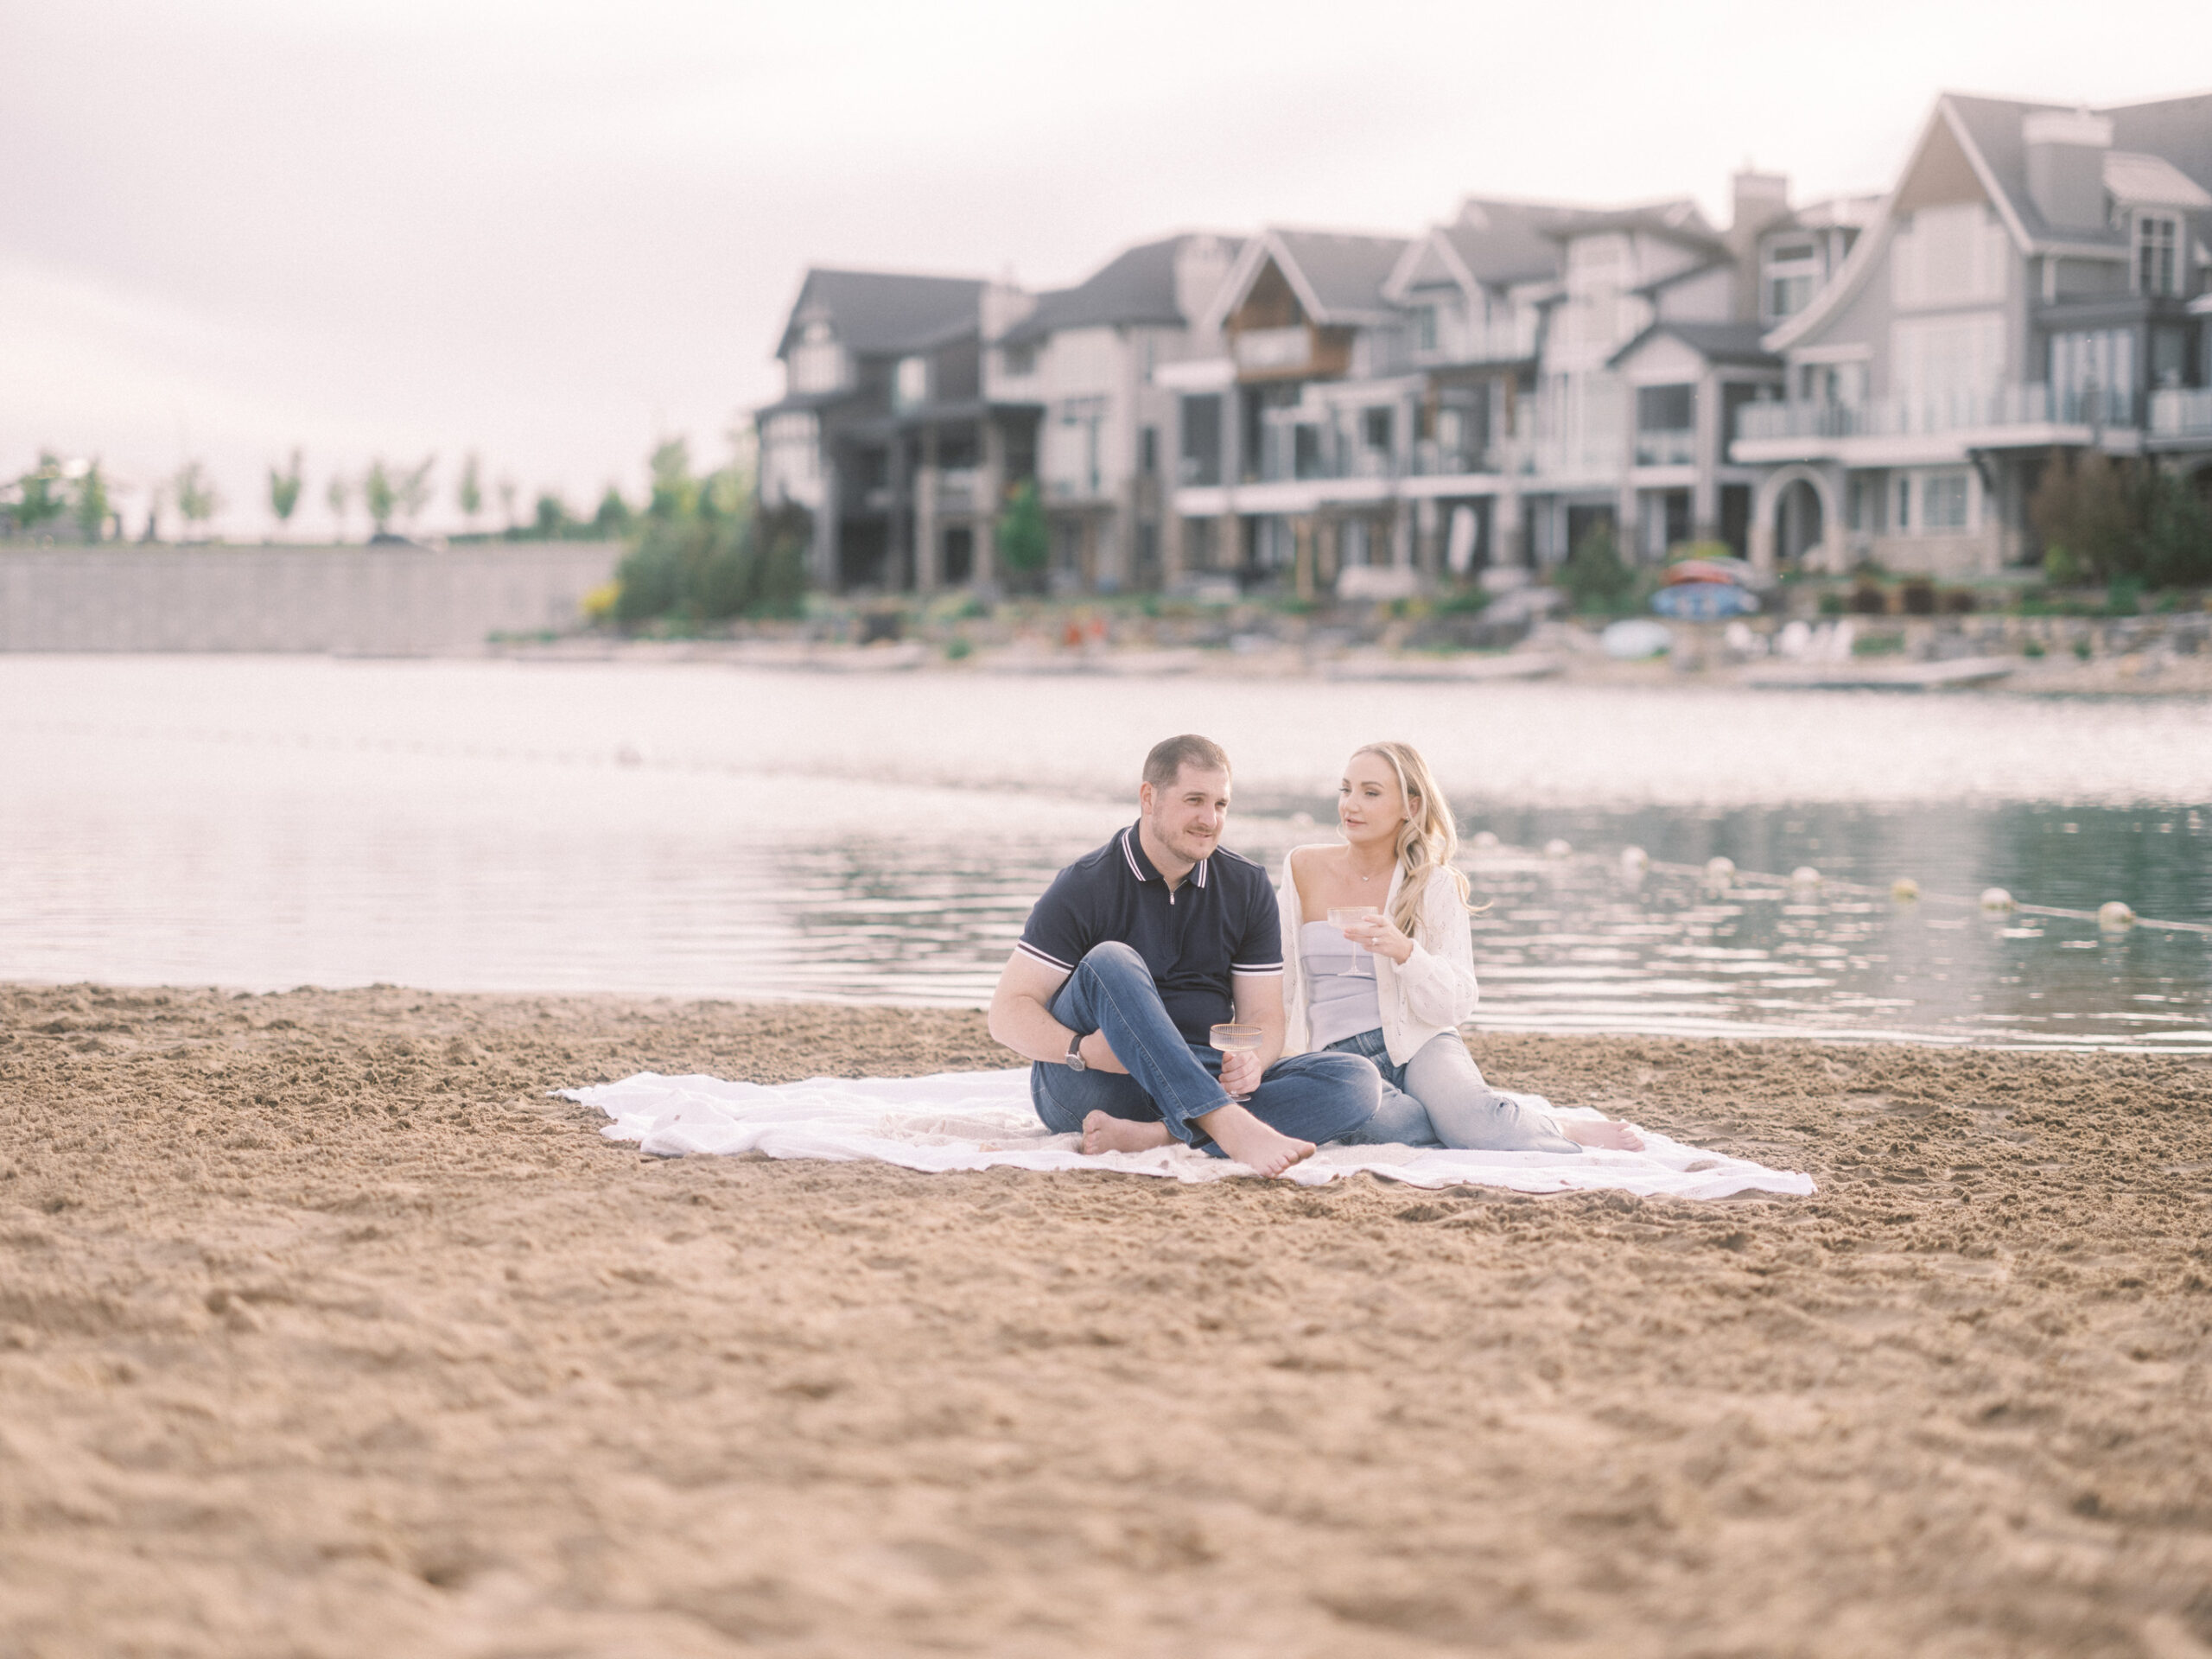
(1557, 848)
(2113, 914)
(1804, 876)
(1996, 899)
(1484, 841)
(1719, 867)
(1904, 889)
(1635, 858)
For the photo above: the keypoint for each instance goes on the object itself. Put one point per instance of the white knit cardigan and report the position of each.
(1430, 994)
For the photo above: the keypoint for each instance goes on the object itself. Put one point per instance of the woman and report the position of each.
(1396, 985)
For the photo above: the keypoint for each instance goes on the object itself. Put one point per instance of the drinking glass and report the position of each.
(1236, 1039)
(1345, 916)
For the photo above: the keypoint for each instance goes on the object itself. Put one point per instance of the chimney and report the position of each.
(1005, 304)
(1202, 265)
(1760, 199)
(2066, 159)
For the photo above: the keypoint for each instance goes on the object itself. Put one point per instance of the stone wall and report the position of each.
(378, 602)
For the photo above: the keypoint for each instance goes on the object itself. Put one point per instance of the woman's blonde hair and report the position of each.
(1428, 838)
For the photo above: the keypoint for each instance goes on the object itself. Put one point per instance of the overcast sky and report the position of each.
(553, 232)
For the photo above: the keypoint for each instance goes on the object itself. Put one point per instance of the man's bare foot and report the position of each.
(1251, 1143)
(1103, 1132)
(1613, 1137)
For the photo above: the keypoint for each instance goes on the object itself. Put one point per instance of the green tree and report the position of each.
(507, 494)
(706, 551)
(91, 502)
(2176, 535)
(39, 494)
(553, 517)
(338, 496)
(1594, 576)
(198, 501)
(380, 495)
(614, 518)
(284, 491)
(468, 494)
(1024, 538)
(2089, 511)
(413, 490)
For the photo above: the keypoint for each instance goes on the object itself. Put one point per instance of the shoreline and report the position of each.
(2132, 676)
(323, 1328)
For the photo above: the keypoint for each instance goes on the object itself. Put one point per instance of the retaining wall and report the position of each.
(380, 601)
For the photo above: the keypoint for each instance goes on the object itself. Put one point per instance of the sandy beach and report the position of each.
(323, 1331)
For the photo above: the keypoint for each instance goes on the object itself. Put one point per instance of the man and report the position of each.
(1134, 952)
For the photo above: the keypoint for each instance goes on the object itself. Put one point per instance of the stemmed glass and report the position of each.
(1346, 916)
(1236, 1039)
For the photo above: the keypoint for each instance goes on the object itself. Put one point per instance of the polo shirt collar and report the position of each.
(1141, 868)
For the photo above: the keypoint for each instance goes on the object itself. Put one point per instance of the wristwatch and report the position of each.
(1074, 1053)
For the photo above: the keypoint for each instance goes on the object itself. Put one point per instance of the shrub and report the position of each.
(1024, 538)
(1594, 576)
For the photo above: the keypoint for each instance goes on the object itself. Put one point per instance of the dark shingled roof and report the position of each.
(1716, 342)
(883, 311)
(1345, 271)
(1501, 243)
(2178, 129)
(1135, 287)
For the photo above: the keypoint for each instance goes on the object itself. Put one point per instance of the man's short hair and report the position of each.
(1168, 759)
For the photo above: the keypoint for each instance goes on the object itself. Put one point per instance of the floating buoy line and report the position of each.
(2114, 916)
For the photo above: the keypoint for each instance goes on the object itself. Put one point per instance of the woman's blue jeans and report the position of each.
(1171, 1080)
(1438, 1098)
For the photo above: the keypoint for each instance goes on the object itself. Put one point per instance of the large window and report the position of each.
(2092, 375)
(1792, 272)
(1201, 441)
(2158, 254)
(1666, 409)
(1943, 502)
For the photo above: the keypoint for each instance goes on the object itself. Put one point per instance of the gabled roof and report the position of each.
(1503, 243)
(1676, 221)
(1696, 268)
(1988, 134)
(1137, 286)
(1716, 342)
(2152, 181)
(876, 312)
(1337, 275)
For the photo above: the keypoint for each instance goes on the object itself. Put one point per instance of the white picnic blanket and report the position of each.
(973, 1120)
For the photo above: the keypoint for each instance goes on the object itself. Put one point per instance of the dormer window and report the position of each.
(2157, 253)
(1424, 328)
(1792, 271)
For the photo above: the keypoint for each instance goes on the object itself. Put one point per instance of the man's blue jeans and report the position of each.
(1171, 1080)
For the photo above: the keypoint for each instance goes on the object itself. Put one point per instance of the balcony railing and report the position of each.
(1667, 448)
(2180, 413)
(1888, 417)
(1435, 460)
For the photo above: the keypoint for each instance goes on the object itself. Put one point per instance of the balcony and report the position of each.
(1902, 428)
(2181, 414)
(1674, 449)
(1273, 350)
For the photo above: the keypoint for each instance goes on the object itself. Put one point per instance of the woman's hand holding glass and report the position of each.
(1376, 931)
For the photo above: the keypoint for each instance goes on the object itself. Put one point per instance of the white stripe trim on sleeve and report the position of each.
(1029, 949)
(1254, 970)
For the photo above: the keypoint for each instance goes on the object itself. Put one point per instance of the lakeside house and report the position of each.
(1859, 377)
(2034, 285)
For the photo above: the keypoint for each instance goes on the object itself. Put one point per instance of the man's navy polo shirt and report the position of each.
(1223, 920)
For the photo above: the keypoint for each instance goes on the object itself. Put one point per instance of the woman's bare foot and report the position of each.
(1103, 1132)
(1613, 1137)
(1251, 1143)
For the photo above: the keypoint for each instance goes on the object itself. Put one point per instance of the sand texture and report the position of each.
(323, 1332)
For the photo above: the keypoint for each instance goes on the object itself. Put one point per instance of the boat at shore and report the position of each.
(1879, 676)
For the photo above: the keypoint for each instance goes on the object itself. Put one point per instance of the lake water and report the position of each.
(699, 830)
